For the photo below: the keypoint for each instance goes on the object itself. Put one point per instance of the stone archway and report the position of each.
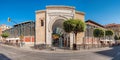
(52, 24)
(57, 33)
(56, 27)
(53, 21)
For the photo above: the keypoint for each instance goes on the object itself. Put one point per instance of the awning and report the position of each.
(12, 39)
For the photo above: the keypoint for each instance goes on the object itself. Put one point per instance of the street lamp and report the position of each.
(9, 20)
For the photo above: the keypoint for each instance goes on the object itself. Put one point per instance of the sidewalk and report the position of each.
(57, 50)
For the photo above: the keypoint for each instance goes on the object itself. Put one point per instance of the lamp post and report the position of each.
(9, 20)
(19, 31)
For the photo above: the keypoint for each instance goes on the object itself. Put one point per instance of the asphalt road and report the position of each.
(10, 53)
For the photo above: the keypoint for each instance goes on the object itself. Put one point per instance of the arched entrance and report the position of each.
(59, 37)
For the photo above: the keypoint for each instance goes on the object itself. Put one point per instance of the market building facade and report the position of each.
(114, 27)
(51, 20)
(22, 33)
(89, 40)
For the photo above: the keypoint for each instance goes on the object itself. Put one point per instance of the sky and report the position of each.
(101, 11)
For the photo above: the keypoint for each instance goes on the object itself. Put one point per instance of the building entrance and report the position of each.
(59, 37)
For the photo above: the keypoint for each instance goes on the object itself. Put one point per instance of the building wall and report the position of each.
(40, 30)
(90, 28)
(28, 39)
(52, 14)
(26, 29)
(80, 36)
(79, 15)
(94, 25)
(115, 28)
(89, 39)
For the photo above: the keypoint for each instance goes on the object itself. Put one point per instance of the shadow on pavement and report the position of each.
(3, 57)
(111, 53)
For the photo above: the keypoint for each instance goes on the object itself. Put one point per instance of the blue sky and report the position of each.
(101, 11)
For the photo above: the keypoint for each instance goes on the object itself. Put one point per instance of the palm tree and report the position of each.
(75, 26)
(98, 33)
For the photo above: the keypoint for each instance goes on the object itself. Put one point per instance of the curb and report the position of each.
(57, 51)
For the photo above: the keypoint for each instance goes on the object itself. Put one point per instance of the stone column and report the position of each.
(71, 40)
(49, 40)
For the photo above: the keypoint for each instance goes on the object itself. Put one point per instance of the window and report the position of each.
(42, 23)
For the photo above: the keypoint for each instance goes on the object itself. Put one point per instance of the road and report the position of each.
(10, 53)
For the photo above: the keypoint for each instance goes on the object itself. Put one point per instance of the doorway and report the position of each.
(59, 37)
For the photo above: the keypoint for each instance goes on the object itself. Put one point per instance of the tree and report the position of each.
(5, 35)
(75, 26)
(108, 33)
(116, 37)
(98, 33)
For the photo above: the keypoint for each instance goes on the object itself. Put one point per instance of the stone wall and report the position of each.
(40, 30)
